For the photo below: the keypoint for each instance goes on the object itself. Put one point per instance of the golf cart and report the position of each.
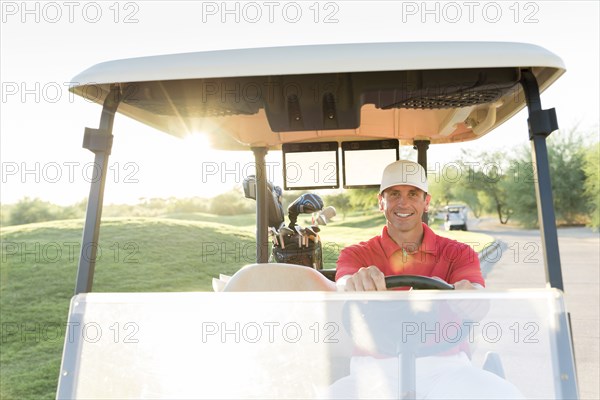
(455, 217)
(270, 335)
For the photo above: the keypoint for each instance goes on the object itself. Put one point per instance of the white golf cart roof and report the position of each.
(265, 97)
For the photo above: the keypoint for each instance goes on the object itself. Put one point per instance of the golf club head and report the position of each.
(284, 234)
(300, 233)
(309, 231)
(274, 235)
(326, 215)
(305, 204)
(285, 231)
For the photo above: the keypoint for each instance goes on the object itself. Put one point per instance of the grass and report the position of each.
(180, 253)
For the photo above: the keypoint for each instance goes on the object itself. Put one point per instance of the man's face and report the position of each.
(403, 207)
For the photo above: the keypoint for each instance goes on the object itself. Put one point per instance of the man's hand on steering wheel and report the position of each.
(466, 285)
(372, 279)
(365, 279)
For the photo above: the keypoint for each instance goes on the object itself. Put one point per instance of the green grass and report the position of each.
(180, 253)
(38, 272)
(247, 221)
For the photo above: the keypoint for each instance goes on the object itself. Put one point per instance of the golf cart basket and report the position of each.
(416, 94)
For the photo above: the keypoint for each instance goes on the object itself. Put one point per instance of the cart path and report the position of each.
(518, 263)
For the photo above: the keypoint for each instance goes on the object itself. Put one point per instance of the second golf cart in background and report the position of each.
(455, 217)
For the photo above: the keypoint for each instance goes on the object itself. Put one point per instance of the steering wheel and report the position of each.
(416, 282)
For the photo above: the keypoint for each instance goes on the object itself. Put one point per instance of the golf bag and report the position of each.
(310, 254)
(276, 215)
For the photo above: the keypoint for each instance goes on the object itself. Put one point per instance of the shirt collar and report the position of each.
(427, 245)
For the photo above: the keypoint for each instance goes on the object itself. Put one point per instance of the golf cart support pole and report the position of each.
(541, 124)
(421, 146)
(99, 141)
(262, 207)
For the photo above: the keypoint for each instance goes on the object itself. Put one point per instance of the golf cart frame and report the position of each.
(393, 91)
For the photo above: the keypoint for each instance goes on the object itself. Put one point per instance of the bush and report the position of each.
(189, 205)
(592, 183)
(5, 210)
(27, 211)
(231, 203)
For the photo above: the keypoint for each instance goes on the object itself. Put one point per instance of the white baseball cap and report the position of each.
(404, 172)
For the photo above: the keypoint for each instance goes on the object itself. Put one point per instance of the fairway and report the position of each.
(180, 253)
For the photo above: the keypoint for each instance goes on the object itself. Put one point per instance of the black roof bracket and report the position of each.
(422, 146)
(98, 141)
(541, 124)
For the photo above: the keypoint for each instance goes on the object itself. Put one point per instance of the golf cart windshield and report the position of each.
(310, 345)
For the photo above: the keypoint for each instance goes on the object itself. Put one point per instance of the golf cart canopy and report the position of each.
(347, 95)
(440, 92)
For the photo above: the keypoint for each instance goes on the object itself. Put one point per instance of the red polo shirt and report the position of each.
(437, 256)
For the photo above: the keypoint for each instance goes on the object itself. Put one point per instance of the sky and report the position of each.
(44, 45)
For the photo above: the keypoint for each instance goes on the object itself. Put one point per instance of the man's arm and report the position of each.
(466, 270)
(352, 276)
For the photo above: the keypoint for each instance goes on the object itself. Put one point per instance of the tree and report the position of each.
(521, 190)
(446, 188)
(363, 199)
(441, 190)
(592, 182)
(341, 202)
(484, 183)
(566, 158)
(566, 152)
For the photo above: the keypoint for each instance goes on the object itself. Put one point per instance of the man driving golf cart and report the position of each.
(407, 245)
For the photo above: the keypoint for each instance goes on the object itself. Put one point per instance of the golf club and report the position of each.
(305, 204)
(274, 234)
(284, 233)
(326, 215)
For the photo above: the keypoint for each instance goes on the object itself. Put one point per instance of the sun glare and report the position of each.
(196, 141)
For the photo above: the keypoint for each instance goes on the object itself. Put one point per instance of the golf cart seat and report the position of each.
(274, 277)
